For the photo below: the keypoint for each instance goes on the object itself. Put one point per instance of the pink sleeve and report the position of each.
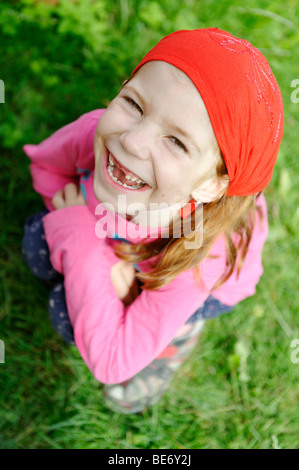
(115, 341)
(55, 161)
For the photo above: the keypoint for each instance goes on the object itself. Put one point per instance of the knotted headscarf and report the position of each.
(241, 96)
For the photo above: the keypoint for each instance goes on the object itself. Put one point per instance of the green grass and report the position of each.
(240, 383)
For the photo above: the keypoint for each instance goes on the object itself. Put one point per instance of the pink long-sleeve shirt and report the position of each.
(116, 341)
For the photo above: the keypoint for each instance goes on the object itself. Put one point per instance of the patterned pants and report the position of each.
(145, 388)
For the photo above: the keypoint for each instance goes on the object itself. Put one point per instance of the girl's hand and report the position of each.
(71, 195)
(124, 281)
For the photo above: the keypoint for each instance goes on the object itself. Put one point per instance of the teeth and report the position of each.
(132, 178)
(110, 171)
(139, 182)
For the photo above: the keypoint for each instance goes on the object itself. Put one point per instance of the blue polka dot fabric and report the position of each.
(58, 314)
(211, 308)
(35, 248)
(36, 254)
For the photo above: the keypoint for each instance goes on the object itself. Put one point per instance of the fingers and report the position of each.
(128, 271)
(71, 195)
(58, 200)
(80, 198)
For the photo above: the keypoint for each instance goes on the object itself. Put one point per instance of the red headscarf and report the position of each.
(242, 98)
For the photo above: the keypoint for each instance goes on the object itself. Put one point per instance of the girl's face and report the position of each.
(157, 130)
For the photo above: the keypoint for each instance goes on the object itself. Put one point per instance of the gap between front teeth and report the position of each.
(110, 171)
(132, 178)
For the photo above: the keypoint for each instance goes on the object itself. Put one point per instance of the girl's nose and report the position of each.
(138, 140)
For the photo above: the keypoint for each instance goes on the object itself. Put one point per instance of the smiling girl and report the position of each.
(196, 130)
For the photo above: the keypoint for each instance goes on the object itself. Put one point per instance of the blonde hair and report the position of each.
(226, 214)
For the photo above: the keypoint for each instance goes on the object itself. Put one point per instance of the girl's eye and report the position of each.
(178, 143)
(133, 104)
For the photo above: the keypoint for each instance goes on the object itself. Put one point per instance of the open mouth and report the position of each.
(122, 176)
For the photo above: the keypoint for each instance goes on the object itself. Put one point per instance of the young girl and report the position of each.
(197, 127)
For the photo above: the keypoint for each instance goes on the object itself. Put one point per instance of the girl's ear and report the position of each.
(211, 189)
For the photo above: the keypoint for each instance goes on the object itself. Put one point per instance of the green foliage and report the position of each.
(58, 62)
